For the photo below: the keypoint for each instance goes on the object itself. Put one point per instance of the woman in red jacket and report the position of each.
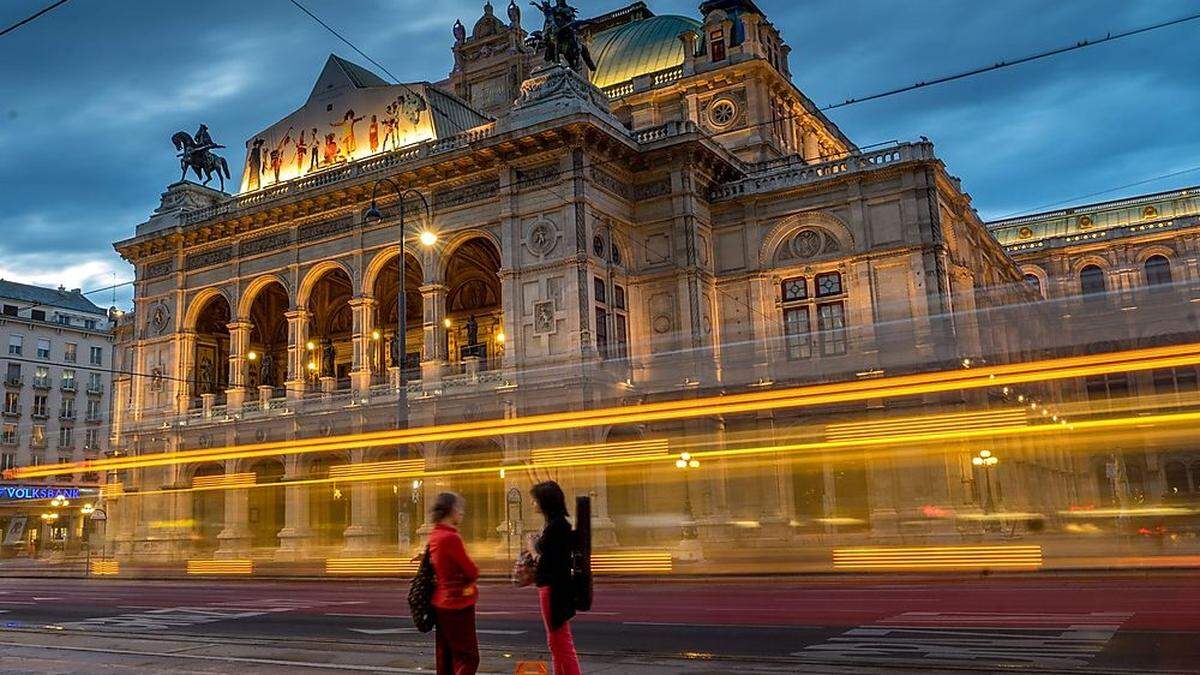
(454, 598)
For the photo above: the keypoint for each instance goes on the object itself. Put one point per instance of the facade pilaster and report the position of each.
(298, 322)
(363, 535)
(297, 538)
(363, 310)
(433, 312)
(239, 345)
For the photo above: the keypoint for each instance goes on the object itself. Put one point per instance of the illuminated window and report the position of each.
(69, 352)
(716, 41)
(797, 333)
(832, 323)
(829, 284)
(12, 403)
(37, 436)
(795, 288)
(8, 434)
(1158, 271)
(799, 311)
(68, 379)
(1091, 281)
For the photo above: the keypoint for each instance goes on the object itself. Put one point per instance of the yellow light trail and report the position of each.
(938, 557)
(891, 441)
(904, 385)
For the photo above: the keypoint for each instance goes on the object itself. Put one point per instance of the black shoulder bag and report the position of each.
(420, 595)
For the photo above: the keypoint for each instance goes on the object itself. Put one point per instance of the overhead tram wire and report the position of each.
(33, 16)
(1077, 198)
(1000, 65)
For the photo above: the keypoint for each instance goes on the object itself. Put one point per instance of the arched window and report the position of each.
(1091, 280)
(1158, 271)
(1177, 479)
(1033, 280)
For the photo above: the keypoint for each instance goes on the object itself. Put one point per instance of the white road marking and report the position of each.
(18, 602)
(164, 618)
(397, 631)
(1048, 640)
(40, 598)
(368, 616)
(224, 659)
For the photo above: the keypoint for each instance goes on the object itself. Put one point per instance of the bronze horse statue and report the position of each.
(200, 157)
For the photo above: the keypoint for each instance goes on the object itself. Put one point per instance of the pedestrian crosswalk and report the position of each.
(1055, 640)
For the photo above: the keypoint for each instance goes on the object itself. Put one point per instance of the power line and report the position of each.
(1082, 44)
(31, 17)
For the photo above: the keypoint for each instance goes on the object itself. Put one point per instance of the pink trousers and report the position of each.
(560, 641)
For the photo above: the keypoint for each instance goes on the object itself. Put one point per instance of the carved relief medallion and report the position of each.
(543, 317)
(542, 237)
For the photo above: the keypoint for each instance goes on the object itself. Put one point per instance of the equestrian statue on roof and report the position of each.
(197, 153)
(560, 36)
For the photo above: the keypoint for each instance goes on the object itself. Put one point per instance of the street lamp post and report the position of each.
(686, 463)
(985, 461)
(427, 239)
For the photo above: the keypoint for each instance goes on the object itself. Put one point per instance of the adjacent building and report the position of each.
(56, 360)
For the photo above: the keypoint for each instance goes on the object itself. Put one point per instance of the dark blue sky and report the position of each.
(90, 94)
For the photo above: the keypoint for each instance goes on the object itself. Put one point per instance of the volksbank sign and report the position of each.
(34, 492)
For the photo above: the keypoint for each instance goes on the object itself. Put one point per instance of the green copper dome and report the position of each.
(638, 48)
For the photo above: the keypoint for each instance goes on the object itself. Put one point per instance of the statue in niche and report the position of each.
(206, 376)
(327, 356)
(560, 36)
(267, 370)
(460, 32)
(472, 331)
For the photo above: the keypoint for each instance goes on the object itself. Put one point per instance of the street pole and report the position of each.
(373, 213)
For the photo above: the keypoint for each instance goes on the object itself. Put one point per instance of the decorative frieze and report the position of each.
(651, 190)
(327, 228)
(537, 175)
(263, 244)
(159, 269)
(214, 256)
(610, 182)
(447, 199)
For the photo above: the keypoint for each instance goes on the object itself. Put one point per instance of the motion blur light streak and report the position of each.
(632, 562)
(371, 566)
(231, 480)
(394, 468)
(938, 557)
(220, 567)
(908, 385)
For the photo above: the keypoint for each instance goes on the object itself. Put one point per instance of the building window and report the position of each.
(93, 410)
(612, 324)
(13, 376)
(1106, 387)
(63, 319)
(832, 324)
(68, 379)
(92, 440)
(1091, 281)
(89, 324)
(1035, 282)
(39, 406)
(35, 460)
(66, 437)
(68, 409)
(716, 42)
(1158, 271)
(1174, 380)
(94, 383)
(97, 356)
(41, 377)
(69, 352)
(38, 314)
(799, 308)
(7, 461)
(37, 436)
(15, 344)
(12, 403)
(43, 348)
(10, 310)
(8, 434)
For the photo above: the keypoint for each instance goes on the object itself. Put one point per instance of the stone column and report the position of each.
(297, 352)
(363, 536)
(239, 344)
(433, 301)
(185, 346)
(363, 309)
(235, 537)
(296, 538)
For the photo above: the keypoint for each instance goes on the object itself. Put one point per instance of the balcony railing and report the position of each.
(41, 383)
(92, 418)
(39, 414)
(69, 386)
(14, 381)
(14, 411)
(95, 389)
(66, 415)
(10, 439)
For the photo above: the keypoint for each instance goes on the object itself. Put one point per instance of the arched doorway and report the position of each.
(483, 491)
(208, 510)
(266, 504)
(386, 290)
(331, 325)
(210, 362)
(269, 336)
(473, 303)
(328, 503)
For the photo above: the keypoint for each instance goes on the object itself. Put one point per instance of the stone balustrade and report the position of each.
(781, 174)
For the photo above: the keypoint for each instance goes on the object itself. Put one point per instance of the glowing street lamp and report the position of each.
(985, 461)
(427, 238)
(251, 355)
(686, 462)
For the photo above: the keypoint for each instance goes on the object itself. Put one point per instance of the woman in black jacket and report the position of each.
(552, 553)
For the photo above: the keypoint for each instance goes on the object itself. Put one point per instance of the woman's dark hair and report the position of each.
(550, 499)
(444, 505)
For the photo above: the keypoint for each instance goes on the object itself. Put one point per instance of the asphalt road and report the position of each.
(1048, 622)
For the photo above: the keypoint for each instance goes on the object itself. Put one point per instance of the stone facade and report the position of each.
(696, 230)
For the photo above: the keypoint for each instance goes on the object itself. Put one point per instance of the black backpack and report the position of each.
(420, 595)
(581, 555)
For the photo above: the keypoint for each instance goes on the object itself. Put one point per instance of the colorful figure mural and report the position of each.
(344, 97)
